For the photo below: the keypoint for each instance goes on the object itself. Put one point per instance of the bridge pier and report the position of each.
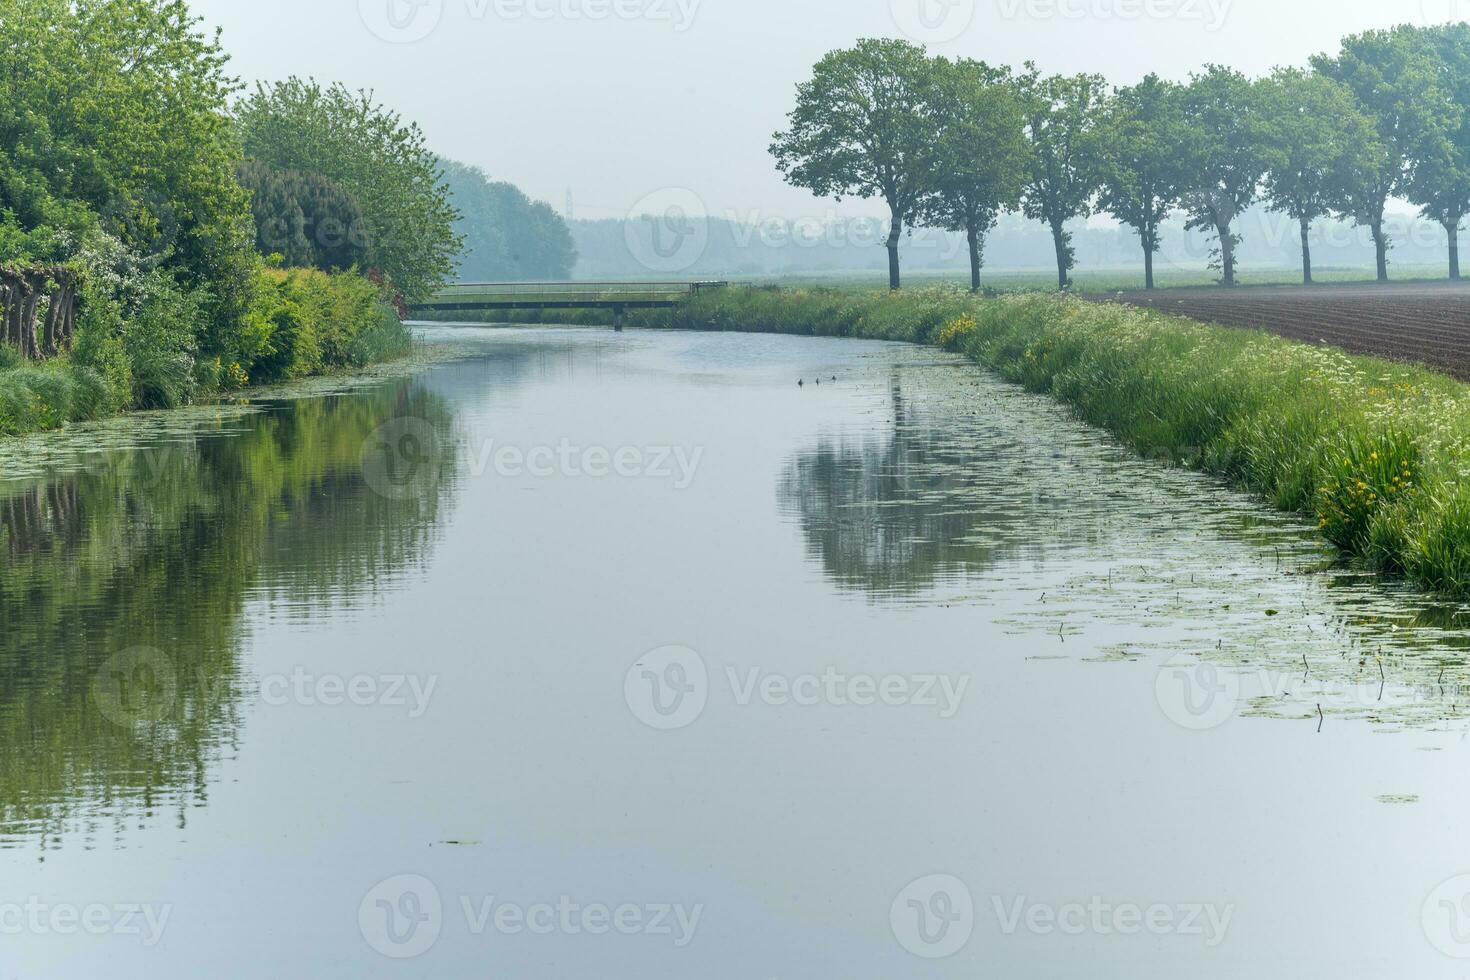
(619, 319)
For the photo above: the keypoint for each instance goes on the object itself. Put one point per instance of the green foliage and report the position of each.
(981, 153)
(1364, 474)
(46, 396)
(1063, 116)
(1143, 136)
(1440, 178)
(1319, 139)
(1395, 80)
(862, 127)
(373, 155)
(305, 218)
(316, 321)
(112, 112)
(1226, 154)
(1320, 143)
(507, 236)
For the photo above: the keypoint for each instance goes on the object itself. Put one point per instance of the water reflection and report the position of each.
(893, 513)
(974, 492)
(124, 585)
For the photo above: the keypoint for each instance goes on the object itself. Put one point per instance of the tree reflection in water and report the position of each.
(123, 590)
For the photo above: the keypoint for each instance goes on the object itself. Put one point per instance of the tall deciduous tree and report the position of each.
(1226, 155)
(1440, 178)
(981, 152)
(1397, 86)
(375, 156)
(863, 127)
(116, 111)
(1318, 139)
(1063, 124)
(1143, 137)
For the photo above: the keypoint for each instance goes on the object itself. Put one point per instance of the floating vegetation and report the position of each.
(980, 495)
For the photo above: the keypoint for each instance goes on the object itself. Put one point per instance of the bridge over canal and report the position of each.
(619, 297)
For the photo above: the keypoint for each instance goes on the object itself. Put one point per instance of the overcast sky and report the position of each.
(614, 100)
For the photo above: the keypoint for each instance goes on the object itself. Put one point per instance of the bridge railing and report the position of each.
(583, 291)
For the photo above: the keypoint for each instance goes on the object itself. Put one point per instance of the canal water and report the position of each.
(606, 656)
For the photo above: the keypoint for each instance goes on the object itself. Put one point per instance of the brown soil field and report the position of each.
(1423, 323)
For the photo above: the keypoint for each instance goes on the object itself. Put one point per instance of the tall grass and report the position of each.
(1377, 453)
(36, 397)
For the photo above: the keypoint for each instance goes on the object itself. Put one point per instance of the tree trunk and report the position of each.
(895, 232)
(974, 236)
(1380, 246)
(5, 295)
(14, 308)
(55, 315)
(1306, 251)
(1150, 238)
(1064, 256)
(1453, 229)
(1227, 254)
(30, 344)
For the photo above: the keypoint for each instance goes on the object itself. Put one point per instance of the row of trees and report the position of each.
(954, 143)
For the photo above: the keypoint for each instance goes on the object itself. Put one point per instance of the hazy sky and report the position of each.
(615, 100)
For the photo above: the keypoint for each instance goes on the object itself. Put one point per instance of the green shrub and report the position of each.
(317, 321)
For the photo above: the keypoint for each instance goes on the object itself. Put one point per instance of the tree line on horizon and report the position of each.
(953, 144)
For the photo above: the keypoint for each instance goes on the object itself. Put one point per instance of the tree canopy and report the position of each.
(1395, 82)
(981, 153)
(1063, 116)
(863, 127)
(1320, 141)
(376, 157)
(113, 117)
(305, 218)
(1439, 181)
(1226, 155)
(1143, 136)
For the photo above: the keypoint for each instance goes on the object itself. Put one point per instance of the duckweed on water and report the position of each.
(1378, 453)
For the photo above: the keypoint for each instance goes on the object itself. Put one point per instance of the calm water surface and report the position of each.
(624, 656)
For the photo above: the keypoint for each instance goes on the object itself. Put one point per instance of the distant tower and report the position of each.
(570, 212)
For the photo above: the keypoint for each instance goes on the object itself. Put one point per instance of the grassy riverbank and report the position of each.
(1377, 453)
(302, 323)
